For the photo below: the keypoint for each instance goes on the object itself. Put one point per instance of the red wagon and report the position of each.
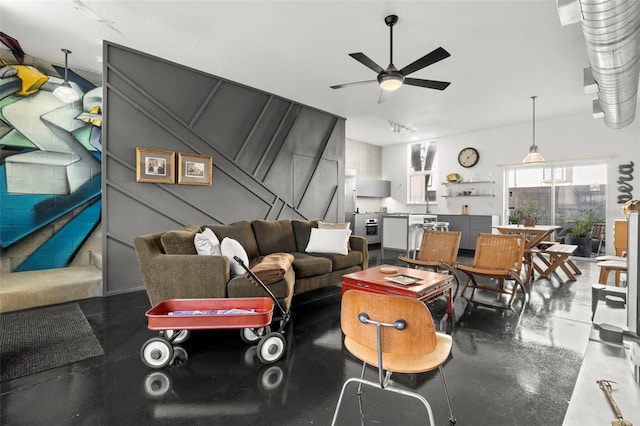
(174, 318)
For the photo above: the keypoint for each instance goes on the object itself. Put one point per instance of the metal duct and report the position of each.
(611, 30)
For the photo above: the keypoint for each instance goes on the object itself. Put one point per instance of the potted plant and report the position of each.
(531, 212)
(580, 233)
(515, 216)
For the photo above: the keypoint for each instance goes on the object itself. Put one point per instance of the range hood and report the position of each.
(611, 30)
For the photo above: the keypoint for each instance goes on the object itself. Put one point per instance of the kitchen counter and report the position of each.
(399, 230)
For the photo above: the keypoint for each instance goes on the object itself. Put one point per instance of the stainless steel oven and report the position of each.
(372, 231)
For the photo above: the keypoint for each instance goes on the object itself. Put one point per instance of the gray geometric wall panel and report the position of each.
(272, 158)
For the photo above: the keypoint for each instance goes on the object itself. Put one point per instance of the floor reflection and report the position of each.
(507, 366)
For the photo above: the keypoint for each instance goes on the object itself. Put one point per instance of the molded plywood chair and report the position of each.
(497, 256)
(394, 334)
(438, 251)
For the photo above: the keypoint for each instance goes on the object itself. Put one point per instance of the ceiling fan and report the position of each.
(391, 79)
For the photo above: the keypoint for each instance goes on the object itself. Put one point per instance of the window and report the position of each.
(557, 195)
(422, 176)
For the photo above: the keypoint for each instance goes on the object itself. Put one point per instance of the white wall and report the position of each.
(559, 140)
(365, 159)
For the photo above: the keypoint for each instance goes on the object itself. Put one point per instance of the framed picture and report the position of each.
(195, 169)
(155, 166)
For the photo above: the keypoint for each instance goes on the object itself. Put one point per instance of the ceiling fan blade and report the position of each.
(429, 84)
(357, 83)
(366, 61)
(384, 96)
(428, 59)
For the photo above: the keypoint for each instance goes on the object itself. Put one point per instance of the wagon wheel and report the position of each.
(156, 384)
(271, 348)
(180, 356)
(271, 378)
(249, 356)
(176, 336)
(156, 352)
(252, 335)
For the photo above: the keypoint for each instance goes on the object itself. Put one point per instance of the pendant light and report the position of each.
(533, 156)
(65, 92)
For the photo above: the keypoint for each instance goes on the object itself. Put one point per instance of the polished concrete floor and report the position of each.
(507, 367)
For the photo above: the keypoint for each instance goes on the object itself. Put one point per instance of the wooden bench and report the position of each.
(559, 257)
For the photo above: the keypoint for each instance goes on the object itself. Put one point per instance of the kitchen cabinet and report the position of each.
(470, 226)
(377, 188)
(402, 231)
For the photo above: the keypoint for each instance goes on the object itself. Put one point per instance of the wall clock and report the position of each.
(468, 157)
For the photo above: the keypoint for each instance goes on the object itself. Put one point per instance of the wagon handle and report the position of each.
(255, 280)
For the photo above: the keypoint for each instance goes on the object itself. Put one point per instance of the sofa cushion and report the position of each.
(274, 236)
(231, 248)
(328, 241)
(207, 243)
(302, 231)
(306, 265)
(328, 225)
(180, 241)
(340, 225)
(241, 232)
(353, 258)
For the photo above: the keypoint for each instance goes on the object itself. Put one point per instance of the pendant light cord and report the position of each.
(534, 119)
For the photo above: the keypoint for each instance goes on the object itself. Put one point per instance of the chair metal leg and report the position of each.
(390, 389)
(452, 419)
(364, 366)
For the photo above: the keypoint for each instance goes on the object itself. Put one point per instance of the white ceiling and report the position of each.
(502, 52)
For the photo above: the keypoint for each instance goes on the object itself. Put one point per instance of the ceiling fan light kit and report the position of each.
(390, 82)
(65, 92)
(533, 156)
(391, 78)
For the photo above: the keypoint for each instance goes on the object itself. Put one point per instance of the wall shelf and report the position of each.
(460, 196)
(468, 182)
(484, 192)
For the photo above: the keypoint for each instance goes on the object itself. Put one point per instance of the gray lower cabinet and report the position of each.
(470, 226)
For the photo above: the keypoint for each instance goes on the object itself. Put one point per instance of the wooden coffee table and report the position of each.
(431, 285)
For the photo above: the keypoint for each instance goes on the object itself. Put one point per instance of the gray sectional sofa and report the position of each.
(172, 269)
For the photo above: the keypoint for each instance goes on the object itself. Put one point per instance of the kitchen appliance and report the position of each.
(371, 231)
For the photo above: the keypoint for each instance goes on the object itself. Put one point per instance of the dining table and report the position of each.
(533, 235)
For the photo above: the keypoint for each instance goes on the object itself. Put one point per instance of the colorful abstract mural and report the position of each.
(50, 165)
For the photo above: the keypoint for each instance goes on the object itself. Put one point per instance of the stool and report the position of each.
(416, 236)
(607, 266)
(607, 257)
(441, 226)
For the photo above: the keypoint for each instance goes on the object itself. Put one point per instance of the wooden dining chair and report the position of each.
(394, 334)
(497, 256)
(438, 252)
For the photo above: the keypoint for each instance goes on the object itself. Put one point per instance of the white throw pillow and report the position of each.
(327, 225)
(328, 241)
(230, 248)
(207, 243)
